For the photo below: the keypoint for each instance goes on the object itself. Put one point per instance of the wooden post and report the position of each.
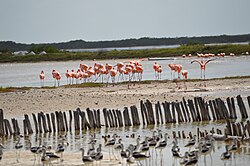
(70, 120)
(248, 99)
(157, 114)
(52, 115)
(1, 123)
(57, 122)
(217, 109)
(186, 117)
(135, 115)
(105, 117)
(110, 117)
(35, 122)
(199, 109)
(14, 126)
(229, 105)
(98, 119)
(25, 129)
(76, 119)
(39, 123)
(192, 110)
(83, 120)
(65, 121)
(242, 107)
(187, 111)
(119, 115)
(233, 108)
(212, 110)
(62, 120)
(17, 127)
(95, 118)
(126, 117)
(9, 127)
(149, 107)
(6, 133)
(29, 128)
(168, 116)
(49, 123)
(199, 118)
(144, 113)
(173, 112)
(115, 118)
(160, 111)
(178, 110)
(90, 117)
(44, 122)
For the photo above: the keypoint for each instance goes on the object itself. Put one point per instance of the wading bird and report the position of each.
(202, 66)
(42, 75)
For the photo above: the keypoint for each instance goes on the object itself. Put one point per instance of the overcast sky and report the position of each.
(41, 21)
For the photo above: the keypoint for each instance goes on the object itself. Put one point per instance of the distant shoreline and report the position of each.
(237, 49)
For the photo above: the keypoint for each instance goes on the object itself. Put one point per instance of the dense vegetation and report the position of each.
(116, 54)
(81, 44)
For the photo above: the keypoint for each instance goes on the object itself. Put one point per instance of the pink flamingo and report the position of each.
(127, 71)
(113, 74)
(120, 70)
(155, 67)
(159, 71)
(77, 75)
(90, 72)
(172, 68)
(72, 76)
(67, 74)
(42, 75)
(185, 75)
(202, 65)
(58, 78)
(178, 69)
(54, 72)
(139, 71)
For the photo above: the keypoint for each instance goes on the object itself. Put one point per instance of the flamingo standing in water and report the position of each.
(54, 72)
(120, 70)
(67, 74)
(172, 68)
(202, 65)
(155, 67)
(185, 75)
(113, 74)
(42, 78)
(139, 71)
(159, 71)
(58, 78)
(127, 71)
(72, 76)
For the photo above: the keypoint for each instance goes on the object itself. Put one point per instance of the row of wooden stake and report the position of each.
(170, 112)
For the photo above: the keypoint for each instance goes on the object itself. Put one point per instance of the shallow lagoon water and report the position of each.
(81, 139)
(27, 74)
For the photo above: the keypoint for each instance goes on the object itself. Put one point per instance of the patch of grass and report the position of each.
(84, 85)
(13, 89)
(48, 87)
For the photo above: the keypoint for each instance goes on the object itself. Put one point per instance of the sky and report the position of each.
(47, 21)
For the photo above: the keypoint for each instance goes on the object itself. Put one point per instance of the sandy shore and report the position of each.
(118, 96)
(15, 104)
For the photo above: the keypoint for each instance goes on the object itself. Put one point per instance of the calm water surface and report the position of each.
(27, 74)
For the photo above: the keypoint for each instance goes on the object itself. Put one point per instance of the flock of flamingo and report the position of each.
(131, 69)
